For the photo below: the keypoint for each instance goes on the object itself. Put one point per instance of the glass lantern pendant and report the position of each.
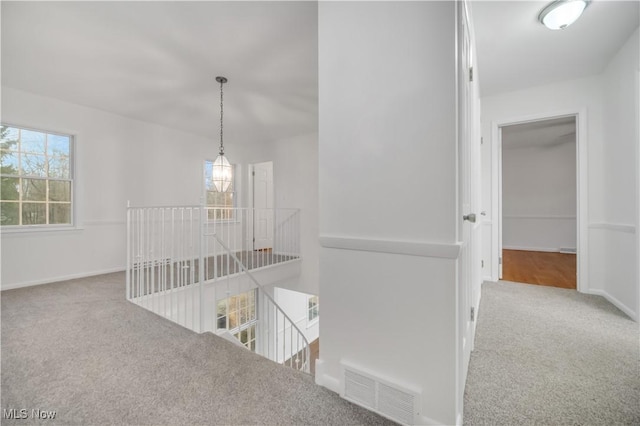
(221, 173)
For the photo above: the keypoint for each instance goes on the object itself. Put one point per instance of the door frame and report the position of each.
(582, 193)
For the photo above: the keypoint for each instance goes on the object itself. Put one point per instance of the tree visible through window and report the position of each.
(224, 202)
(36, 176)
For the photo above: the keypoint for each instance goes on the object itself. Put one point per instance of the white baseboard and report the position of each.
(618, 304)
(61, 278)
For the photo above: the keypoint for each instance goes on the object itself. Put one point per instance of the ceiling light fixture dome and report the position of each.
(562, 13)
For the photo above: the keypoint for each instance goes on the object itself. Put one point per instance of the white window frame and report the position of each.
(244, 326)
(232, 218)
(21, 228)
(316, 317)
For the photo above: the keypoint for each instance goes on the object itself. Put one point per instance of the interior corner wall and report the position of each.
(117, 159)
(387, 173)
(615, 260)
(295, 175)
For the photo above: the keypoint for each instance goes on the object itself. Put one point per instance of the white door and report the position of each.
(263, 213)
(467, 218)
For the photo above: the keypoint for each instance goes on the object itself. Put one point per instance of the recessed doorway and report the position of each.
(539, 202)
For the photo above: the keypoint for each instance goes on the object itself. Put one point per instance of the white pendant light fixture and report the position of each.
(221, 173)
(562, 13)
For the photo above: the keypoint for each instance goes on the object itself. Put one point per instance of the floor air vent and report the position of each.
(394, 402)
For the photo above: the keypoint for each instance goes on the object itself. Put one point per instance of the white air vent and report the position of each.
(359, 388)
(388, 399)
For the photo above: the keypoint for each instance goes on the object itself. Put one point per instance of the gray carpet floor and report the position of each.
(80, 349)
(548, 356)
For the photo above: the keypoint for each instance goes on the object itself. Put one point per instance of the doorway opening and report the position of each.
(539, 202)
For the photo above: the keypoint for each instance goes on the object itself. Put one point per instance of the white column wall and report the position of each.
(295, 175)
(615, 259)
(116, 159)
(387, 155)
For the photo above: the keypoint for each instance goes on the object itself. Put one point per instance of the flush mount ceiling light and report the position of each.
(222, 172)
(562, 13)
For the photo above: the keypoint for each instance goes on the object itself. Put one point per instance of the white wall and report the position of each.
(295, 175)
(539, 196)
(615, 267)
(387, 155)
(611, 113)
(295, 304)
(117, 159)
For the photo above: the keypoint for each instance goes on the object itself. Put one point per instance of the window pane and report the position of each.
(60, 213)
(35, 169)
(9, 214)
(244, 338)
(59, 167)
(9, 138)
(34, 189)
(58, 145)
(59, 190)
(208, 175)
(10, 188)
(222, 307)
(34, 213)
(233, 323)
(31, 141)
(34, 165)
(9, 163)
(222, 322)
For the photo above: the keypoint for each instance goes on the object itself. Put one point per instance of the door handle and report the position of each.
(471, 217)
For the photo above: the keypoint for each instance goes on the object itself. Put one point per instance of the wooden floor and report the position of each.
(537, 267)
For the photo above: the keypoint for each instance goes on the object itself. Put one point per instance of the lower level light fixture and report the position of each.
(222, 173)
(562, 13)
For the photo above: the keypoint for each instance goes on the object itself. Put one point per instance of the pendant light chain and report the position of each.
(221, 115)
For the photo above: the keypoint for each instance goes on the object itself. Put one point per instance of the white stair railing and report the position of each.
(179, 258)
(281, 339)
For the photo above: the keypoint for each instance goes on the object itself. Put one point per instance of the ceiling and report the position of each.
(540, 134)
(515, 51)
(157, 61)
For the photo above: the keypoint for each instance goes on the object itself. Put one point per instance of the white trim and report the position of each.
(617, 227)
(552, 217)
(582, 182)
(33, 229)
(543, 249)
(618, 304)
(62, 278)
(412, 248)
(104, 222)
